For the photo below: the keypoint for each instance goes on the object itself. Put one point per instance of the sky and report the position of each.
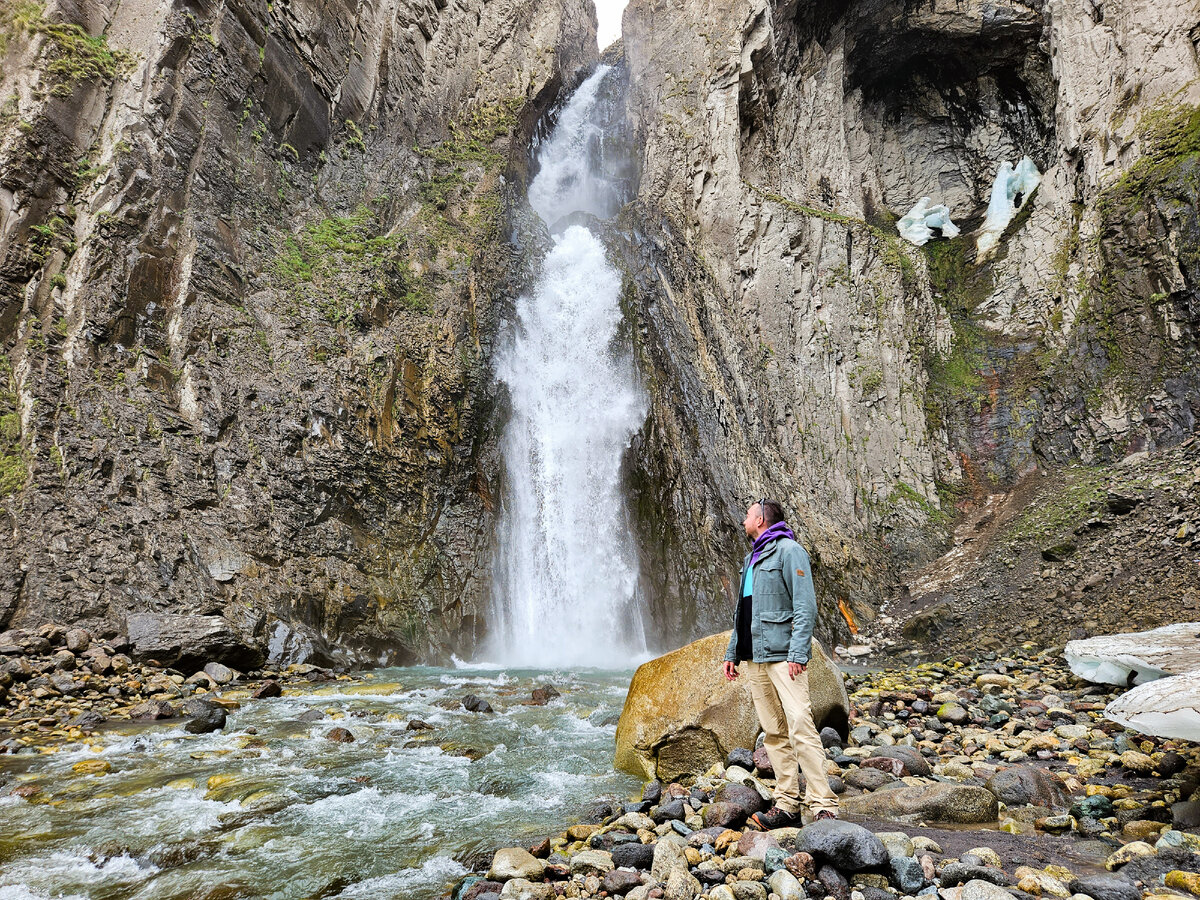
(608, 12)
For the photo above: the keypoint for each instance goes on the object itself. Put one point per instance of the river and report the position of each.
(288, 813)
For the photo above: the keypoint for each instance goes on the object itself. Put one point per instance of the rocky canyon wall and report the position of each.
(251, 263)
(796, 348)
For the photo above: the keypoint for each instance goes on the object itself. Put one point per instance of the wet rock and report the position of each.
(964, 872)
(937, 802)
(544, 694)
(340, 735)
(849, 847)
(267, 690)
(92, 767)
(475, 704)
(152, 709)
(673, 809)
(1022, 785)
(834, 883)
(210, 718)
(633, 855)
(907, 874)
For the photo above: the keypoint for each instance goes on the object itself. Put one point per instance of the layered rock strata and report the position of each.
(250, 269)
(796, 348)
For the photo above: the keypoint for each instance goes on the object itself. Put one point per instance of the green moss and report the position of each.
(904, 493)
(341, 264)
(1171, 133)
(892, 251)
(73, 55)
(1059, 512)
(14, 467)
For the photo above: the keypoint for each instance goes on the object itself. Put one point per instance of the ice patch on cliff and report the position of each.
(918, 226)
(1147, 655)
(1010, 192)
(1167, 707)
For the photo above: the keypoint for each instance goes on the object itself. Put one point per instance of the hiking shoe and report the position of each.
(774, 818)
(825, 814)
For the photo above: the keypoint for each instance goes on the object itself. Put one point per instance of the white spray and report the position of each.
(566, 570)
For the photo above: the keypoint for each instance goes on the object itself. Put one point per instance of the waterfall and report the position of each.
(565, 575)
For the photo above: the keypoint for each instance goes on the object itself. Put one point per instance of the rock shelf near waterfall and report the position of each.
(997, 779)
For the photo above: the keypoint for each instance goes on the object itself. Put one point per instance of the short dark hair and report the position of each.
(772, 512)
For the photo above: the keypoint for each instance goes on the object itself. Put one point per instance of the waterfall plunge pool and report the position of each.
(287, 813)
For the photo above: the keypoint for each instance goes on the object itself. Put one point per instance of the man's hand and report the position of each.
(730, 670)
(794, 669)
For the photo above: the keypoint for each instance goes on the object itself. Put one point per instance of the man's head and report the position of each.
(760, 516)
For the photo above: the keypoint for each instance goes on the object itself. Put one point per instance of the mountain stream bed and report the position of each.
(283, 811)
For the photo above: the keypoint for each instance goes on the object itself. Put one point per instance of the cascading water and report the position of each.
(566, 570)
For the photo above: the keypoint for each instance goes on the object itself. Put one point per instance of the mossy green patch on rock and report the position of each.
(13, 462)
(74, 55)
(342, 264)
(1057, 513)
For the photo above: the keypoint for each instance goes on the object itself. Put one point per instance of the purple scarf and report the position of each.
(774, 533)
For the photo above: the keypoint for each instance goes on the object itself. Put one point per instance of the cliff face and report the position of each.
(796, 348)
(250, 271)
(253, 256)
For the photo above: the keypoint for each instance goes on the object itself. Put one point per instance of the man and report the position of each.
(770, 645)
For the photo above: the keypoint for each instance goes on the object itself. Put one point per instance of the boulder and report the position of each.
(219, 673)
(844, 845)
(1022, 785)
(911, 759)
(187, 642)
(208, 718)
(515, 862)
(634, 855)
(938, 802)
(620, 882)
(681, 715)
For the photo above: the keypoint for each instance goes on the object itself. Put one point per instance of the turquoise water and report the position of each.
(286, 813)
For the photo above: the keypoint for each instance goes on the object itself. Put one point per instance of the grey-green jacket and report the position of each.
(784, 605)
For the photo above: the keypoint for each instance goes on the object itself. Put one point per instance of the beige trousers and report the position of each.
(790, 737)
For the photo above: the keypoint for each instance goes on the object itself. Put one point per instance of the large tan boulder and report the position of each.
(681, 715)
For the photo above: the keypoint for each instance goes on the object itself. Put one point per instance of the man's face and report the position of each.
(753, 522)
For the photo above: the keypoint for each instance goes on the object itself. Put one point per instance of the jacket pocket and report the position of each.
(776, 630)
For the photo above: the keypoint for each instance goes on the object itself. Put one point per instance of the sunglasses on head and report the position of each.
(762, 509)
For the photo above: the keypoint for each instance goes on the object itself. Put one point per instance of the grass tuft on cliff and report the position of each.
(74, 55)
(341, 264)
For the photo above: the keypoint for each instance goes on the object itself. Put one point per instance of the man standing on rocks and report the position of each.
(770, 645)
